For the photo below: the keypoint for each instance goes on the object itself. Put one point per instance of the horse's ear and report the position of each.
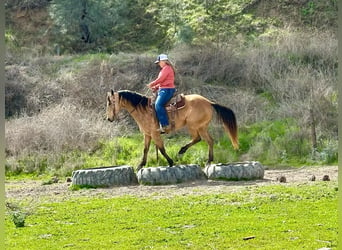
(112, 91)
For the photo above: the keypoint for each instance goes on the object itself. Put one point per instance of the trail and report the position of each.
(35, 190)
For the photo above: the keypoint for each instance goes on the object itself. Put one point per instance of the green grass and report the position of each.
(129, 151)
(277, 143)
(277, 216)
(274, 144)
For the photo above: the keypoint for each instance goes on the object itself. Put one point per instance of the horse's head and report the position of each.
(113, 106)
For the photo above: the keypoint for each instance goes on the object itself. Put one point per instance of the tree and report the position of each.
(110, 25)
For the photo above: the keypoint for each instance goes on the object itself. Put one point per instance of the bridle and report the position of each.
(116, 103)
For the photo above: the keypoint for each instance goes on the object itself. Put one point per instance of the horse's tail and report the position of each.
(227, 116)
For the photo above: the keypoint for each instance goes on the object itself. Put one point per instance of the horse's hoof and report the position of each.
(208, 164)
(182, 151)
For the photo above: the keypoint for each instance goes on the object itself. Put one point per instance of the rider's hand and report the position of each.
(153, 88)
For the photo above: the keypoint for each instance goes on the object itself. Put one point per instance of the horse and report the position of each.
(195, 115)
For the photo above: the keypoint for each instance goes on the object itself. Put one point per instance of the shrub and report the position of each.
(57, 129)
(18, 218)
(272, 58)
(18, 214)
(44, 143)
(273, 142)
(209, 64)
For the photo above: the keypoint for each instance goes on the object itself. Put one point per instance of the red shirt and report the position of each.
(165, 79)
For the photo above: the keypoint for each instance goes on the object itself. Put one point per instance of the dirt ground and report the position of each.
(31, 189)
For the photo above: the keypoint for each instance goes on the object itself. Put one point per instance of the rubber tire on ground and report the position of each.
(249, 170)
(105, 176)
(169, 175)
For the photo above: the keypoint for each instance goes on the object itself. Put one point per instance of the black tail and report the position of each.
(227, 117)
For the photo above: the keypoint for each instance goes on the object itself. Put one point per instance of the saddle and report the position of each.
(176, 102)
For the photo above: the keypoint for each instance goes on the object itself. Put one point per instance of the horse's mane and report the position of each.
(136, 99)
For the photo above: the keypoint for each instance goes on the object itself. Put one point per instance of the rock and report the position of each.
(54, 179)
(51, 181)
(249, 170)
(312, 178)
(281, 178)
(326, 178)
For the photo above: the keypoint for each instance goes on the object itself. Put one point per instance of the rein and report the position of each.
(135, 108)
(116, 102)
(130, 112)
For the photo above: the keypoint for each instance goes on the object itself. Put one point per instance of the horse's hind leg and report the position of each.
(195, 139)
(206, 136)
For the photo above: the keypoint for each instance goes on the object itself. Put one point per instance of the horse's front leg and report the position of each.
(167, 157)
(147, 143)
(160, 145)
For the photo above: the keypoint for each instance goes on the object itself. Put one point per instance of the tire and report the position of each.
(169, 175)
(249, 170)
(105, 176)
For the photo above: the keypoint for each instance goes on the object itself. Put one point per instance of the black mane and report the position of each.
(136, 99)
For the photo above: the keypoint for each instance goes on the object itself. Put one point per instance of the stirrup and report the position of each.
(164, 129)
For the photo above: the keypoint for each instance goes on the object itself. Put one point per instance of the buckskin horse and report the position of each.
(196, 115)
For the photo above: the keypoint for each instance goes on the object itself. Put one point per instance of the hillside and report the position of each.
(273, 62)
(30, 23)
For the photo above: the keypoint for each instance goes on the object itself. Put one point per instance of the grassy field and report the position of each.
(276, 216)
(266, 142)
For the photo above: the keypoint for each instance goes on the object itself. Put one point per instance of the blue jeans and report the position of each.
(164, 95)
